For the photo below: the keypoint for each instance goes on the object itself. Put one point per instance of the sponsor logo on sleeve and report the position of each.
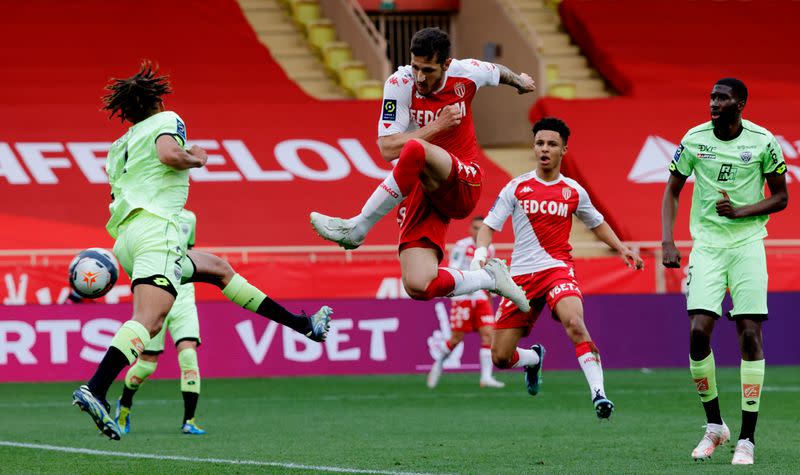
(781, 169)
(389, 109)
(677, 156)
(181, 129)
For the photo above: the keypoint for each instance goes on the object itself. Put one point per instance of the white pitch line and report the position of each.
(179, 458)
(380, 397)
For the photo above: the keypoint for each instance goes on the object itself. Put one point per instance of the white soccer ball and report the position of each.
(93, 272)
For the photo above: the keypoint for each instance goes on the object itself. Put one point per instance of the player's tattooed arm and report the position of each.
(521, 82)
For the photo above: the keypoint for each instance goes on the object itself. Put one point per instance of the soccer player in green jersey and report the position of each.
(184, 328)
(730, 158)
(148, 169)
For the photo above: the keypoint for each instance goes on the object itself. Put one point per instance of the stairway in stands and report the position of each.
(569, 75)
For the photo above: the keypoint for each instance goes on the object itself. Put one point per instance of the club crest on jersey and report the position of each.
(460, 89)
(746, 156)
(566, 192)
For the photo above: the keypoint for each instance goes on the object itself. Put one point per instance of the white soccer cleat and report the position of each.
(505, 285)
(492, 383)
(744, 453)
(435, 373)
(341, 231)
(715, 436)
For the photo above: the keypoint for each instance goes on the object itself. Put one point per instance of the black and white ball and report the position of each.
(93, 272)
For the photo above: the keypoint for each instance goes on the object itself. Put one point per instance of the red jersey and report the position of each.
(404, 109)
(541, 213)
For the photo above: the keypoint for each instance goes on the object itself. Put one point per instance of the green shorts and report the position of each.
(742, 270)
(151, 251)
(181, 322)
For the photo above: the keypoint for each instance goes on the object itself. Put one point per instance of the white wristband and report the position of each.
(479, 257)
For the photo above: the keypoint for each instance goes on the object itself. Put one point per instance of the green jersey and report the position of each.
(739, 168)
(138, 178)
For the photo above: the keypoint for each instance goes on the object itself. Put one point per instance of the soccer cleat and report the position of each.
(492, 383)
(123, 418)
(603, 406)
(533, 377)
(97, 410)
(715, 436)
(341, 231)
(505, 285)
(744, 453)
(320, 324)
(190, 428)
(435, 373)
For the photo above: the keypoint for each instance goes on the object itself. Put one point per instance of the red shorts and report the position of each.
(547, 286)
(470, 315)
(424, 217)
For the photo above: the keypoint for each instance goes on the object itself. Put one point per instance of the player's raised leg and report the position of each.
(506, 355)
(151, 303)
(456, 337)
(134, 378)
(570, 312)
(215, 270)
(419, 162)
(485, 331)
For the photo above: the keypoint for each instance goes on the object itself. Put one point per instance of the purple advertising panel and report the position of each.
(65, 342)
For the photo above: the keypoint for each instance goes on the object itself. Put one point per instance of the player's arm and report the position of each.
(390, 145)
(669, 211)
(482, 243)
(521, 82)
(777, 201)
(171, 154)
(608, 236)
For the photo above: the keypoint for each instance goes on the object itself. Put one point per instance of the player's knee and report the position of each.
(699, 334)
(219, 271)
(502, 359)
(750, 343)
(418, 290)
(155, 327)
(414, 150)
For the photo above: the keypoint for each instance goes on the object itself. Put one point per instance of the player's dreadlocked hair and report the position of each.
(134, 99)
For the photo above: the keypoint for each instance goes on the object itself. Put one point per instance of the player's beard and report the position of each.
(727, 116)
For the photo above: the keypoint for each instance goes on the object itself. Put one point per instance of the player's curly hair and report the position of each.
(737, 87)
(431, 43)
(552, 123)
(135, 98)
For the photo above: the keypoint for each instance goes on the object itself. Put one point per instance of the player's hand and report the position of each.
(672, 256)
(199, 154)
(527, 85)
(449, 117)
(725, 207)
(632, 259)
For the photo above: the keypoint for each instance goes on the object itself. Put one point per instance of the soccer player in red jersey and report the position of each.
(541, 204)
(426, 123)
(468, 313)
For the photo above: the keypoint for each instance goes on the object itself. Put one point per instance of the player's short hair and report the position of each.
(134, 98)
(737, 87)
(552, 123)
(431, 43)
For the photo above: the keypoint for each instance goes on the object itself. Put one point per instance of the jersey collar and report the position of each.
(548, 183)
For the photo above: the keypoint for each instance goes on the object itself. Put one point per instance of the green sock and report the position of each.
(131, 338)
(704, 376)
(139, 373)
(243, 294)
(752, 373)
(190, 371)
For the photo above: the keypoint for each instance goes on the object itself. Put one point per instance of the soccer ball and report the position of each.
(93, 272)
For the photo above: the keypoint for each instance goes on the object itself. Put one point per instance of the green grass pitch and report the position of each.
(394, 424)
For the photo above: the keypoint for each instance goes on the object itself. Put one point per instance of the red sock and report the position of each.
(441, 286)
(409, 166)
(585, 347)
(514, 359)
(489, 347)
